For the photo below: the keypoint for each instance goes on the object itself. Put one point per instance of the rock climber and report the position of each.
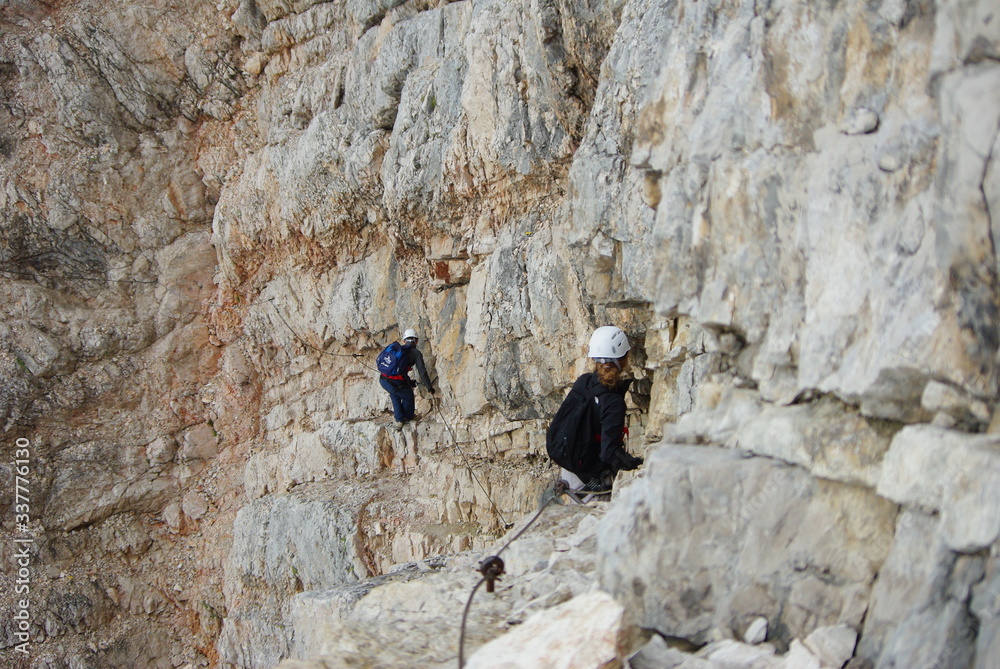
(394, 364)
(603, 456)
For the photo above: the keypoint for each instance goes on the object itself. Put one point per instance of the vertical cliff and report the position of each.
(214, 216)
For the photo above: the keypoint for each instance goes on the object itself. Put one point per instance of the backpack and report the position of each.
(569, 439)
(391, 362)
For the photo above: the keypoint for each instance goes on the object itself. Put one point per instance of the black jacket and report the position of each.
(607, 423)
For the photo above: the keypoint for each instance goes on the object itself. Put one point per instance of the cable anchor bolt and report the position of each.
(491, 568)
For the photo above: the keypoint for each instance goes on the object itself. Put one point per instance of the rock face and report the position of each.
(215, 215)
(733, 538)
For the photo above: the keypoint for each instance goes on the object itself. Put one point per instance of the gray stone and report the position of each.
(829, 439)
(39, 352)
(735, 514)
(589, 629)
(194, 504)
(757, 631)
(315, 615)
(125, 534)
(656, 654)
(920, 604)
(860, 121)
(832, 646)
(962, 409)
(944, 636)
(951, 472)
(199, 443)
(985, 606)
(95, 480)
(283, 545)
(733, 653)
(161, 450)
(799, 657)
(173, 516)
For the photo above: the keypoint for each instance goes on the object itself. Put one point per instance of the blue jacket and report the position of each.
(414, 358)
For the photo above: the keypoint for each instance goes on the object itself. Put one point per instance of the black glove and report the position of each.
(430, 389)
(624, 462)
(413, 384)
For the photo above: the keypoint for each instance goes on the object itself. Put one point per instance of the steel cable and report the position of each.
(468, 465)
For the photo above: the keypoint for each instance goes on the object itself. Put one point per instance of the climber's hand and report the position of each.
(625, 462)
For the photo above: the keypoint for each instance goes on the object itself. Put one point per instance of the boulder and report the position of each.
(707, 538)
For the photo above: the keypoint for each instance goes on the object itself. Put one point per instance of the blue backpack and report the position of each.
(392, 361)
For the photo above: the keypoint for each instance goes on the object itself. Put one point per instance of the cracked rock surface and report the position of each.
(214, 214)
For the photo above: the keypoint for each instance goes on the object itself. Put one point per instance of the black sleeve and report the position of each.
(611, 410)
(418, 361)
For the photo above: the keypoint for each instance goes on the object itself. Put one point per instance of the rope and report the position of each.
(492, 567)
(465, 615)
(302, 341)
(531, 522)
(468, 465)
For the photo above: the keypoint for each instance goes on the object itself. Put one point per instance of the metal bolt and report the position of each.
(491, 568)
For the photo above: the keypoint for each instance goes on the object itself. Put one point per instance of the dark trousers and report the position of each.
(402, 399)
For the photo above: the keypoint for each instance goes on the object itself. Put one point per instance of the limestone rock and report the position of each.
(657, 655)
(798, 656)
(954, 408)
(315, 616)
(215, 214)
(282, 545)
(956, 474)
(832, 646)
(161, 450)
(199, 443)
(363, 622)
(735, 513)
(728, 652)
(860, 121)
(985, 606)
(97, 479)
(126, 535)
(173, 516)
(583, 632)
(39, 352)
(825, 437)
(919, 600)
(194, 505)
(757, 631)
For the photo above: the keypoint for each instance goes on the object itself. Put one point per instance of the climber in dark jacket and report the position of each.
(400, 386)
(607, 456)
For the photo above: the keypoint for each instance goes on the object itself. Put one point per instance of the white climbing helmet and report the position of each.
(410, 334)
(608, 343)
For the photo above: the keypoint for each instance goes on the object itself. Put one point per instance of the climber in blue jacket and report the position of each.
(394, 364)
